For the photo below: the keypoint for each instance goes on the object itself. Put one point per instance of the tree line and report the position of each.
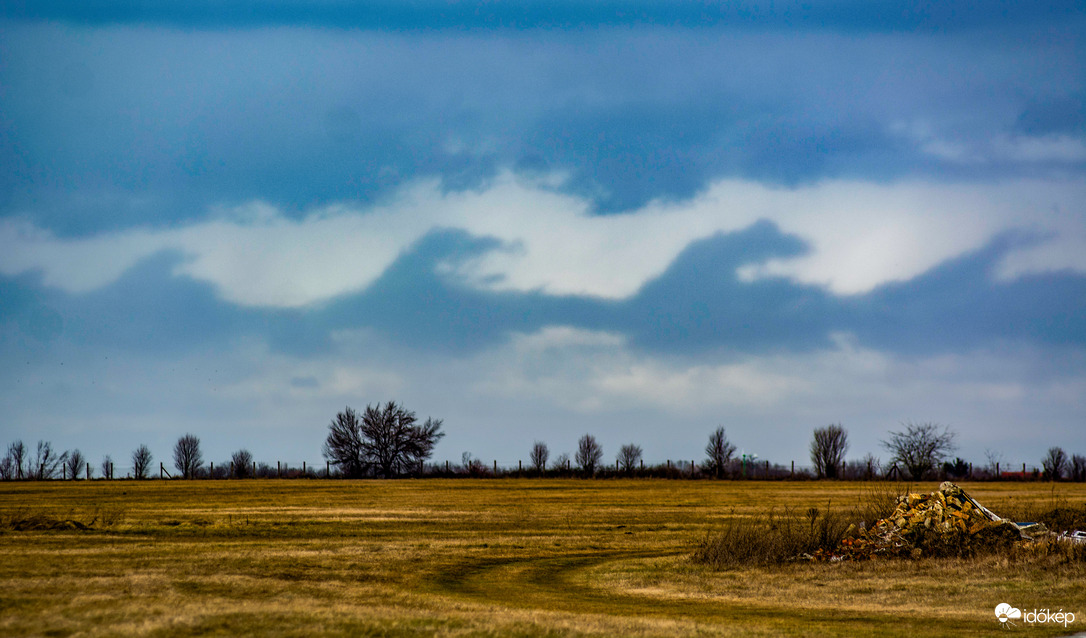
(388, 441)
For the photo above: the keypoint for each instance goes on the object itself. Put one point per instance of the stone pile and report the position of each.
(945, 522)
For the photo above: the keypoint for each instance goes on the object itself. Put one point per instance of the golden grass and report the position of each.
(479, 557)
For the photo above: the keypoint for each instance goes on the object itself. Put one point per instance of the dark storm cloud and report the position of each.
(850, 15)
(698, 307)
(106, 128)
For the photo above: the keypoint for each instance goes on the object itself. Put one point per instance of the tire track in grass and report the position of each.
(556, 583)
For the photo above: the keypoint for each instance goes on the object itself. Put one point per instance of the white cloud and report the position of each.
(861, 235)
(1030, 149)
(1001, 400)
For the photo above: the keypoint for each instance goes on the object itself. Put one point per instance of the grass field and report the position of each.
(480, 557)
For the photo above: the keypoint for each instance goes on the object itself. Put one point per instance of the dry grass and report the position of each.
(464, 557)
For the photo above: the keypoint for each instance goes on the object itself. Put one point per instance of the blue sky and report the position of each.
(541, 219)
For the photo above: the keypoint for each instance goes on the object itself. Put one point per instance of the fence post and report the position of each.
(997, 469)
(88, 471)
(161, 471)
(111, 470)
(303, 469)
(278, 470)
(1023, 470)
(254, 469)
(446, 466)
(767, 469)
(211, 472)
(495, 468)
(327, 469)
(793, 473)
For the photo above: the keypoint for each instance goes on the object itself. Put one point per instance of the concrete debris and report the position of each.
(945, 522)
(1076, 536)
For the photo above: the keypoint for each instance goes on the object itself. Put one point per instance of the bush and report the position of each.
(779, 539)
(772, 541)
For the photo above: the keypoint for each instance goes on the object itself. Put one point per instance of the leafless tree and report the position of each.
(561, 462)
(920, 448)
(17, 453)
(628, 457)
(75, 464)
(242, 460)
(828, 449)
(107, 466)
(1055, 463)
(1078, 468)
(473, 467)
(589, 454)
(46, 463)
(344, 445)
(720, 451)
(994, 460)
(187, 457)
(141, 462)
(540, 454)
(385, 440)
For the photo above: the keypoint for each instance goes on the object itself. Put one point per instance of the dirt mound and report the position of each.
(37, 522)
(946, 522)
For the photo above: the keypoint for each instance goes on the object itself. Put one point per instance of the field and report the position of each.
(479, 557)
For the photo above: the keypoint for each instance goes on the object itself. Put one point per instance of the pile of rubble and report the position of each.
(945, 522)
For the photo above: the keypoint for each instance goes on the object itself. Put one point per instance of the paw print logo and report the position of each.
(1005, 613)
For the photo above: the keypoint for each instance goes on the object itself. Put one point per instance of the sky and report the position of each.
(536, 220)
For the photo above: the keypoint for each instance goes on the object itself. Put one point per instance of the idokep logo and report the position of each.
(1007, 615)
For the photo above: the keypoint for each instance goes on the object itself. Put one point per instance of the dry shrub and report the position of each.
(778, 539)
(771, 541)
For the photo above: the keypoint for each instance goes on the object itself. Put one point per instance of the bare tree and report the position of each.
(187, 457)
(473, 467)
(75, 464)
(720, 451)
(1078, 468)
(828, 449)
(589, 454)
(994, 459)
(385, 440)
(46, 463)
(344, 445)
(920, 448)
(242, 460)
(141, 462)
(1054, 463)
(540, 454)
(17, 453)
(107, 466)
(628, 457)
(561, 462)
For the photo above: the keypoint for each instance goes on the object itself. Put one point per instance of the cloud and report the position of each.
(850, 15)
(858, 236)
(111, 127)
(984, 394)
(1051, 148)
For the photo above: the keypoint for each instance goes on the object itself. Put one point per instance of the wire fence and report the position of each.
(734, 469)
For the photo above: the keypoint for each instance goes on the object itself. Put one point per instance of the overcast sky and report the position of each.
(537, 220)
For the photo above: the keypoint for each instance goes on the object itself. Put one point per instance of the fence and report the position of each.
(737, 469)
